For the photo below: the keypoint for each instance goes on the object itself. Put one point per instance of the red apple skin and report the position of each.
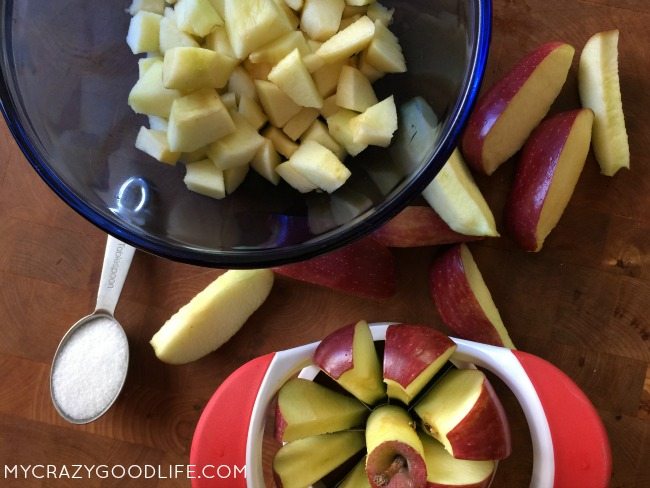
(334, 354)
(418, 226)
(365, 268)
(456, 302)
(495, 101)
(534, 175)
(417, 469)
(485, 432)
(410, 349)
(280, 424)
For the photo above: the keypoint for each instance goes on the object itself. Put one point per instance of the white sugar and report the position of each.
(90, 368)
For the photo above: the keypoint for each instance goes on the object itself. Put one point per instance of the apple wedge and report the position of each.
(454, 196)
(463, 299)
(413, 354)
(445, 471)
(395, 453)
(213, 316)
(550, 166)
(364, 268)
(356, 478)
(600, 90)
(348, 356)
(416, 227)
(506, 115)
(304, 462)
(463, 412)
(306, 408)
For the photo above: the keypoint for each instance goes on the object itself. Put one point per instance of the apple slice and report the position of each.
(356, 478)
(547, 174)
(364, 268)
(395, 453)
(413, 354)
(348, 355)
(454, 196)
(418, 226)
(463, 299)
(463, 412)
(306, 408)
(305, 461)
(600, 90)
(213, 316)
(445, 471)
(506, 115)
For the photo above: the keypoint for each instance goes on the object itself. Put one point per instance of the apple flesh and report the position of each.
(356, 478)
(445, 471)
(364, 268)
(213, 316)
(306, 408)
(547, 174)
(395, 453)
(303, 462)
(506, 115)
(463, 300)
(463, 412)
(413, 354)
(348, 356)
(600, 90)
(416, 227)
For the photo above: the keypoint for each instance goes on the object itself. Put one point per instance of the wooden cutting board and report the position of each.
(581, 303)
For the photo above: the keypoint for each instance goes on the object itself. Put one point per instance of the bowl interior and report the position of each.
(67, 72)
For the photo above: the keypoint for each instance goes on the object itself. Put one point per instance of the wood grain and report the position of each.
(581, 303)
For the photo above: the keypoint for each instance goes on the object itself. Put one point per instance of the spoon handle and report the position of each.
(117, 261)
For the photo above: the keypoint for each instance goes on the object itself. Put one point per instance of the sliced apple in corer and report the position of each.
(463, 299)
(356, 478)
(303, 462)
(445, 471)
(454, 196)
(413, 354)
(506, 115)
(418, 226)
(364, 268)
(395, 452)
(600, 91)
(213, 316)
(306, 408)
(548, 171)
(463, 412)
(348, 355)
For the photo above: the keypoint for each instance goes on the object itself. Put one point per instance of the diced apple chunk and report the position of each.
(321, 18)
(145, 63)
(266, 160)
(154, 143)
(354, 91)
(204, 178)
(278, 49)
(229, 99)
(289, 174)
(299, 123)
(237, 148)
(320, 166)
(218, 41)
(277, 105)
(368, 70)
(158, 123)
(242, 84)
(258, 71)
(377, 12)
(319, 133)
(144, 32)
(197, 17)
(294, 4)
(155, 6)
(292, 77)
(252, 112)
(234, 177)
(192, 68)
(347, 42)
(329, 107)
(339, 128)
(385, 52)
(149, 96)
(327, 78)
(376, 125)
(281, 142)
(171, 36)
(198, 119)
(253, 23)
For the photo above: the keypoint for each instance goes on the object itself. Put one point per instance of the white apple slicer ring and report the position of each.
(570, 444)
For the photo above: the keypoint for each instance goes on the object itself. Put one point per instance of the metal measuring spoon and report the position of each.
(89, 366)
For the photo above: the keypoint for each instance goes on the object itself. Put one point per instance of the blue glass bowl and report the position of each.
(66, 75)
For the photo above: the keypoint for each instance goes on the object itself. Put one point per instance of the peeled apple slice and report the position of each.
(213, 316)
(600, 91)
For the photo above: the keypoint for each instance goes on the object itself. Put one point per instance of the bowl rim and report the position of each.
(254, 258)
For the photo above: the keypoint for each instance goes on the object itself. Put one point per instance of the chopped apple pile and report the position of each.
(282, 87)
(410, 418)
